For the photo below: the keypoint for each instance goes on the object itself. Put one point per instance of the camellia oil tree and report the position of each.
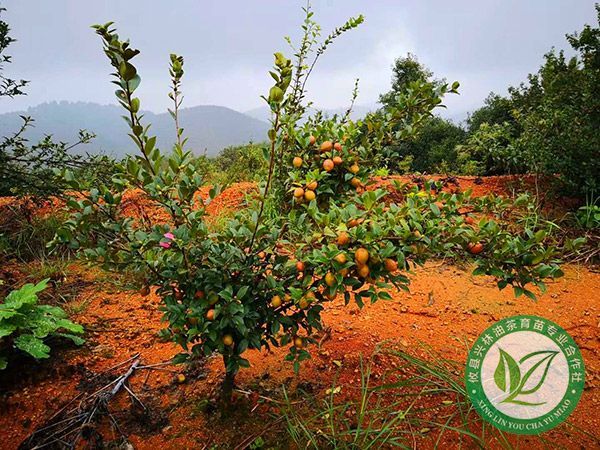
(316, 231)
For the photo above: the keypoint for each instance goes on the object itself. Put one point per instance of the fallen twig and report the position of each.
(72, 421)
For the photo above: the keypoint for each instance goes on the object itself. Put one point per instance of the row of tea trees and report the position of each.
(262, 280)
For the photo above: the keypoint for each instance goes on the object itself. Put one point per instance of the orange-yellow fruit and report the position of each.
(228, 340)
(361, 256)
(328, 165)
(354, 168)
(300, 266)
(475, 248)
(199, 295)
(352, 223)
(469, 220)
(440, 205)
(330, 279)
(297, 162)
(210, 314)
(309, 196)
(144, 291)
(298, 342)
(337, 160)
(312, 186)
(326, 146)
(390, 265)
(363, 271)
(303, 303)
(276, 301)
(343, 238)
(262, 255)
(337, 146)
(180, 378)
(355, 182)
(344, 272)
(341, 258)
(298, 192)
(312, 140)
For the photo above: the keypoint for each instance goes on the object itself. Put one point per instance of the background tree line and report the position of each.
(548, 125)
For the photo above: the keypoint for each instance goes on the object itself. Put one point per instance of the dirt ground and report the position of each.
(446, 309)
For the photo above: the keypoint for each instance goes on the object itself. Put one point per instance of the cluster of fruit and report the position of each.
(330, 158)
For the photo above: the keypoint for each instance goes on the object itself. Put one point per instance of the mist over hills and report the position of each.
(263, 113)
(208, 128)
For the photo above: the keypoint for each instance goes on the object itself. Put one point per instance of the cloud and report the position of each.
(228, 46)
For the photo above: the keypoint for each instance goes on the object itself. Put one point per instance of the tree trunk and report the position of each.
(227, 386)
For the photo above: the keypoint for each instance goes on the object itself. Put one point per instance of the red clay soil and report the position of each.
(446, 309)
(135, 205)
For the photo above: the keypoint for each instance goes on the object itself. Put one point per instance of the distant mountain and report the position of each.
(263, 113)
(208, 128)
(359, 111)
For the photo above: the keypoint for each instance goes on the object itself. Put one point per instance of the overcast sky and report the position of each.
(228, 46)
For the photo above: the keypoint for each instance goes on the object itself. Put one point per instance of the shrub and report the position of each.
(28, 169)
(549, 124)
(239, 163)
(24, 234)
(490, 151)
(25, 325)
(262, 279)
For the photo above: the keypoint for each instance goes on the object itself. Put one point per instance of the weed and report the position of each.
(588, 217)
(24, 235)
(420, 402)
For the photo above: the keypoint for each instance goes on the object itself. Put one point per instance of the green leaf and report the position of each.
(7, 313)
(69, 326)
(6, 328)
(514, 373)
(275, 95)
(550, 355)
(25, 295)
(32, 345)
(3, 363)
(55, 311)
(242, 292)
(180, 358)
(127, 71)
(244, 362)
(518, 291)
(75, 339)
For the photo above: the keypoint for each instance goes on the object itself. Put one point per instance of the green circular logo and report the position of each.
(525, 375)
